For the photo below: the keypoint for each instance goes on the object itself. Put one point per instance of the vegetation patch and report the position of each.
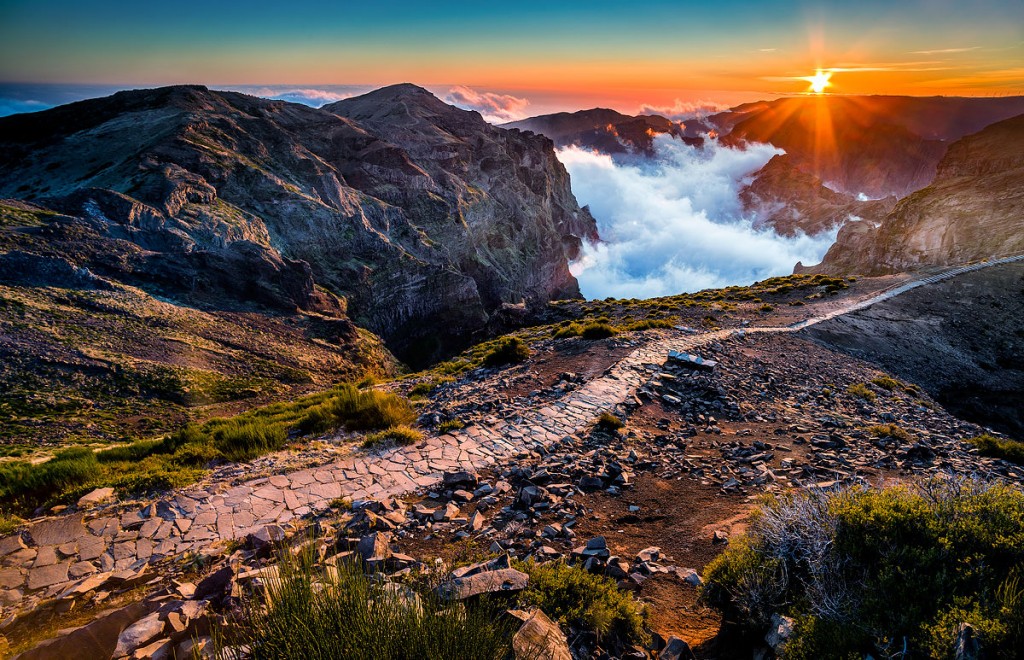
(1004, 448)
(348, 614)
(579, 599)
(862, 392)
(182, 457)
(510, 350)
(398, 435)
(609, 422)
(881, 571)
(889, 431)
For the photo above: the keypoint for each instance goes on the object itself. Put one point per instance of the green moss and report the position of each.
(1004, 448)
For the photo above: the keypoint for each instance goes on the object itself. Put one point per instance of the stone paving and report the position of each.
(59, 556)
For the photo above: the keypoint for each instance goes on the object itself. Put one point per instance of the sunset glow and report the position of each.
(819, 81)
(659, 54)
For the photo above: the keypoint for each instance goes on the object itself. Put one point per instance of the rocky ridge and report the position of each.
(422, 217)
(974, 209)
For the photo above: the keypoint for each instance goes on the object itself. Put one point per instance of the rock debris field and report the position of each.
(538, 454)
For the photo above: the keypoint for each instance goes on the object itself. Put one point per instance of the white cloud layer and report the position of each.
(674, 223)
(683, 110)
(495, 108)
(306, 96)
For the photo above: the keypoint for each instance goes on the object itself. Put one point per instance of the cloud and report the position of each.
(944, 51)
(495, 108)
(10, 106)
(674, 223)
(306, 96)
(682, 110)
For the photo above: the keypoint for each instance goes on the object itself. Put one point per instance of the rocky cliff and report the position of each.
(422, 217)
(974, 209)
(791, 201)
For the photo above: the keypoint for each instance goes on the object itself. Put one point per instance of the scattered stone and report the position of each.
(96, 497)
(538, 637)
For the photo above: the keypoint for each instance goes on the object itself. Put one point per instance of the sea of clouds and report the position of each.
(674, 222)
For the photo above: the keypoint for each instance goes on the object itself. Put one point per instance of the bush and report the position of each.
(576, 598)
(398, 435)
(886, 383)
(889, 431)
(453, 424)
(1004, 448)
(862, 391)
(567, 331)
(598, 330)
(347, 614)
(510, 350)
(867, 571)
(609, 422)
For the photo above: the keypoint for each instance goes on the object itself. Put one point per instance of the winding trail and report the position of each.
(66, 554)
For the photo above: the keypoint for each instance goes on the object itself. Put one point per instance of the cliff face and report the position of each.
(423, 217)
(974, 209)
(791, 201)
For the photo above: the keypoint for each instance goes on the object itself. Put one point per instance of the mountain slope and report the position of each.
(973, 210)
(876, 145)
(427, 219)
(607, 131)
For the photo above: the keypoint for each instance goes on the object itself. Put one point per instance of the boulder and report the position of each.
(505, 580)
(375, 546)
(538, 637)
(96, 497)
(779, 632)
(675, 649)
(139, 634)
(463, 479)
(94, 641)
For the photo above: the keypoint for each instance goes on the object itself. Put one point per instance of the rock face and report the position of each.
(974, 209)
(423, 217)
(791, 201)
(607, 131)
(876, 145)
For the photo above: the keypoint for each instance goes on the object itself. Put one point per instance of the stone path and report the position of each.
(61, 555)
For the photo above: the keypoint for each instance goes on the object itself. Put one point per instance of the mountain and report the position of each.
(875, 145)
(606, 130)
(416, 219)
(791, 201)
(974, 209)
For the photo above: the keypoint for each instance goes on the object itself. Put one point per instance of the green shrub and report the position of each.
(576, 598)
(398, 435)
(347, 614)
(649, 324)
(1004, 448)
(866, 570)
(598, 330)
(453, 424)
(609, 422)
(24, 482)
(9, 523)
(862, 391)
(567, 331)
(510, 350)
(886, 383)
(766, 307)
(889, 431)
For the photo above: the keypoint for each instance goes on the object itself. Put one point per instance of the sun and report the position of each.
(819, 81)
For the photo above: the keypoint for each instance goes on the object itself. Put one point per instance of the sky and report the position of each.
(532, 56)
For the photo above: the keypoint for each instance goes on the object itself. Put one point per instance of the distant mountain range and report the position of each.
(853, 158)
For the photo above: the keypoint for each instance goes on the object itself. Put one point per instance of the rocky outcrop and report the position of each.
(791, 201)
(875, 145)
(423, 217)
(973, 210)
(608, 131)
